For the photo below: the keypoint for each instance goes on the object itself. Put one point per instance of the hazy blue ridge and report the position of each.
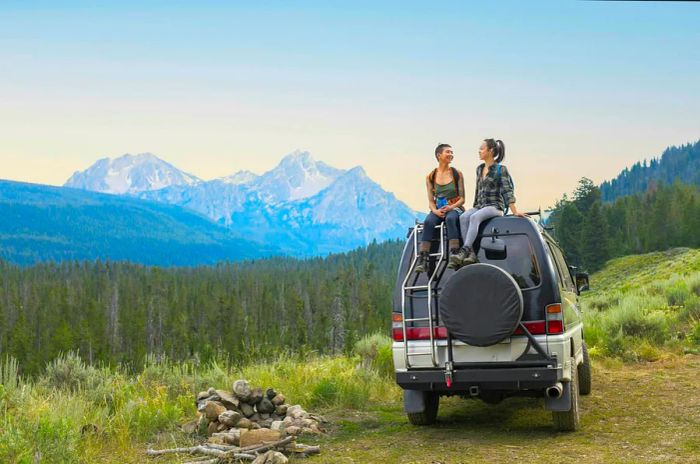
(45, 223)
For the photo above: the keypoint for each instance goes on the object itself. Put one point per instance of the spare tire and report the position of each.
(481, 305)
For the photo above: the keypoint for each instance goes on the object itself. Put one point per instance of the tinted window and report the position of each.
(563, 269)
(520, 261)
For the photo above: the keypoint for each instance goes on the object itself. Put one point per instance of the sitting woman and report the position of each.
(445, 187)
(494, 191)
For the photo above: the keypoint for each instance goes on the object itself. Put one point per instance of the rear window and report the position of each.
(519, 261)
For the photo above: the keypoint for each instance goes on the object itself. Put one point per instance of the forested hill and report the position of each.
(119, 312)
(44, 223)
(682, 163)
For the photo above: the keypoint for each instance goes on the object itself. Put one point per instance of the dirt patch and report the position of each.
(635, 413)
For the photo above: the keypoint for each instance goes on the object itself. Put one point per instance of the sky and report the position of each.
(573, 88)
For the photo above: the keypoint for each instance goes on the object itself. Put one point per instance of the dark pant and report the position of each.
(432, 220)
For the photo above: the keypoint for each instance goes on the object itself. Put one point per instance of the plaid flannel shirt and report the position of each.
(491, 190)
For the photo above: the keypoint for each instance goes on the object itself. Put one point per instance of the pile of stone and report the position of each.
(228, 416)
(249, 424)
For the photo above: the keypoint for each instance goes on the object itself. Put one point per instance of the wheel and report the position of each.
(568, 421)
(429, 414)
(584, 373)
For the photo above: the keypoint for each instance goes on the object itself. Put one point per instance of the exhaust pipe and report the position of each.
(554, 391)
(474, 390)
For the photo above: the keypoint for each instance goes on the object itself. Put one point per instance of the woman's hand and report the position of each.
(440, 212)
(516, 212)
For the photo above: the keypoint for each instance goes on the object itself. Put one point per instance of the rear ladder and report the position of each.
(408, 293)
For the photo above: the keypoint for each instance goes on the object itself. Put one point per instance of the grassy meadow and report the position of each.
(642, 327)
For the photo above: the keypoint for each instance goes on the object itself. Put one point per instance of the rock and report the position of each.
(241, 389)
(281, 410)
(232, 437)
(221, 427)
(297, 413)
(255, 426)
(277, 425)
(265, 406)
(212, 428)
(306, 430)
(265, 423)
(213, 410)
(254, 437)
(202, 395)
(190, 428)
(270, 393)
(255, 417)
(244, 423)
(276, 417)
(247, 409)
(315, 429)
(294, 411)
(230, 418)
(278, 399)
(211, 391)
(287, 421)
(264, 416)
(256, 395)
(293, 430)
(271, 457)
(307, 422)
(227, 399)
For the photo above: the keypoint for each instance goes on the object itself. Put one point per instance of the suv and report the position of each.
(509, 325)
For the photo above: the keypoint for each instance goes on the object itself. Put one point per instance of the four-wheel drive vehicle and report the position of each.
(508, 325)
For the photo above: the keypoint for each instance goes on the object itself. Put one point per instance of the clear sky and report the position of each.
(573, 88)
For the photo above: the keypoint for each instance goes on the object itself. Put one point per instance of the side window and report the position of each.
(555, 263)
(563, 269)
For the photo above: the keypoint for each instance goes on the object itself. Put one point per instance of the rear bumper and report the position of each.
(503, 379)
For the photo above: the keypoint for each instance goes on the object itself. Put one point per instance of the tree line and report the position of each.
(682, 163)
(592, 231)
(118, 312)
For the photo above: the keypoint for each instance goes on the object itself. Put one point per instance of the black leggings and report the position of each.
(432, 220)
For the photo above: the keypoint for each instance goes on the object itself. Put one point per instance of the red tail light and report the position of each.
(555, 327)
(419, 333)
(555, 319)
(534, 327)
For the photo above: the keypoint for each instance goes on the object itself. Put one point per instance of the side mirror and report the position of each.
(582, 283)
(495, 248)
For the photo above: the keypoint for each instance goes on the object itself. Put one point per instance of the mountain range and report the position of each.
(45, 223)
(302, 207)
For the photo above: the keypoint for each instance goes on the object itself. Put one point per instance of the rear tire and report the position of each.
(429, 415)
(584, 373)
(568, 421)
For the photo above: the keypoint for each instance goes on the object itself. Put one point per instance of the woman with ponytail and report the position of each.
(493, 195)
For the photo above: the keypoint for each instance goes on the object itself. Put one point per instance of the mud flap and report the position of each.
(413, 401)
(563, 403)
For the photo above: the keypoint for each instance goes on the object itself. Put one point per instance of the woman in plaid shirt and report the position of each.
(493, 194)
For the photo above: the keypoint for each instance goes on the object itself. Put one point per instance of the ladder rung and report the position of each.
(416, 319)
(417, 287)
(420, 354)
(435, 254)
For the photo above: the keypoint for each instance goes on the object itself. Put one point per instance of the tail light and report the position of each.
(397, 327)
(534, 327)
(414, 333)
(555, 320)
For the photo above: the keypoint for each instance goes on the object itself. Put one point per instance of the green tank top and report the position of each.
(447, 191)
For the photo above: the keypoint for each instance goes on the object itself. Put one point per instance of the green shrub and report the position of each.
(677, 292)
(68, 371)
(694, 334)
(376, 353)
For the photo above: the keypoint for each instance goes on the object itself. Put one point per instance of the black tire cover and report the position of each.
(481, 305)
